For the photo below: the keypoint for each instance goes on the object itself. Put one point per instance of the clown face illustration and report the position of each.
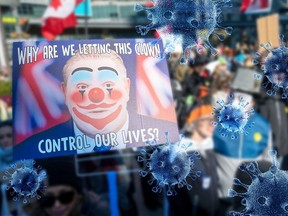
(96, 94)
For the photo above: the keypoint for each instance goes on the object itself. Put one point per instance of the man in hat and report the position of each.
(203, 198)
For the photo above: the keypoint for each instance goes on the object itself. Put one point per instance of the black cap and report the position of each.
(200, 60)
(6, 123)
(61, 171)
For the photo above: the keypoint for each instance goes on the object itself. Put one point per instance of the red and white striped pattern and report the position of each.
(39, 99)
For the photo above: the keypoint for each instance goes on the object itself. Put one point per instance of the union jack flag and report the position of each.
(153, 89)
(39, 100)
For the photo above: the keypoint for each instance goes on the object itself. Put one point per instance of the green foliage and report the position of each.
(5, 87)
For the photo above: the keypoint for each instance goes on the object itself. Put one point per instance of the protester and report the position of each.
(202, 200)
(65, 194)
(6, 142)
(7, 205)
(254, 145)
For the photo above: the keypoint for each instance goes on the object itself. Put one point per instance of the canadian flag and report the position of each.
(58, 16)
(256, 6)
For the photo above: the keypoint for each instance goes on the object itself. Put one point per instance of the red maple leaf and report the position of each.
(55, 4)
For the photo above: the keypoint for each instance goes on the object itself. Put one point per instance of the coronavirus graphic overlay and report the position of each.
(275, 67)
(232, 118)
(187, 23)
(25, 181)
(170, 165)
(268, 192)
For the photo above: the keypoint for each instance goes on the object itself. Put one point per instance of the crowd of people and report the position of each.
(197, 87)
(5, 97)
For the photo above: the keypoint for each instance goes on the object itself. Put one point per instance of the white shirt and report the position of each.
(91, 141)
(205, 145)
(227, 167)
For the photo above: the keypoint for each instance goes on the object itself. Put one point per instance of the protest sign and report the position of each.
(74, 97)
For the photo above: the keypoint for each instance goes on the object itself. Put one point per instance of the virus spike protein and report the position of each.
(274, 67)
(188, 23)
(268, 192)
(25, 180)
(169, 165)
(232, 117)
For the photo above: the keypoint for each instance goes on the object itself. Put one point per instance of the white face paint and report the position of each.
(97, 92)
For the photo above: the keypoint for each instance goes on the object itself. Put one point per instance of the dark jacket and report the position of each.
(202, 199)
(273, 110)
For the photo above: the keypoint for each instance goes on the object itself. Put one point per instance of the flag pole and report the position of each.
(17, 26)
(86, 19)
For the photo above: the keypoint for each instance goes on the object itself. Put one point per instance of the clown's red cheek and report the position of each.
(116, 95)
(76, 97)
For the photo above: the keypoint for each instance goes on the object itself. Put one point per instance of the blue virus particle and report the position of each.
(188, 23)
(169, 165)
(232, 118)
(25, 181)
(268, 192)
(274, 67)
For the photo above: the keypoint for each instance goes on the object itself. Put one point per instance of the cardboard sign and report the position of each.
(244, 81)
(74, 97)
(268, 30)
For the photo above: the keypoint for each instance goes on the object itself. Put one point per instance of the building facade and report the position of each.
(109, 19)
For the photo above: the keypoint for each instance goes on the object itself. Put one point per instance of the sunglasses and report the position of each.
(64, 198)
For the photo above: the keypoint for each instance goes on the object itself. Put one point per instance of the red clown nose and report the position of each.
(96, 95)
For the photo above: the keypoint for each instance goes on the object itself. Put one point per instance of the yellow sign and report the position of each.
(19, 35)
(9, 20)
